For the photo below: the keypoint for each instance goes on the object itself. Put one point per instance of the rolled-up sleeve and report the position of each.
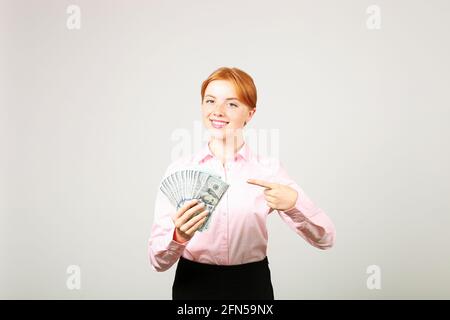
(305, 218)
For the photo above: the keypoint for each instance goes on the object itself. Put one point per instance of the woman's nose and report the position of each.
(220, 108)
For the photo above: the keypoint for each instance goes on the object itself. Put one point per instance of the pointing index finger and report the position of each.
(261, 183)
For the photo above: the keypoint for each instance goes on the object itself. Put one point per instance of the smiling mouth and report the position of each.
(218, 124)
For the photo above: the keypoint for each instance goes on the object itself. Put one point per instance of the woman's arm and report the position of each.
(307, 219)
(163, 250)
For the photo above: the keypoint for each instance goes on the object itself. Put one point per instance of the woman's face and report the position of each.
(223, 114)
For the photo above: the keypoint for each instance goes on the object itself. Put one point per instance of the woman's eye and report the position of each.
(209, 100)
(234, 105)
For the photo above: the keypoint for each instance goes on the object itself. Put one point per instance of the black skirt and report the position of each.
(200, 281)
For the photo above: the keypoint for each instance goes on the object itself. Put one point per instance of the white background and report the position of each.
(87, 115)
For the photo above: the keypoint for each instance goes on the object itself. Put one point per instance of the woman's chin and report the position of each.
(223, 133)
(217, 133)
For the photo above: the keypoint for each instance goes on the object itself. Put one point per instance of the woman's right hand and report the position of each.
(185, 223)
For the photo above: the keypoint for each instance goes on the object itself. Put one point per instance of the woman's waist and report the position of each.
(231, 259)
(233, 265)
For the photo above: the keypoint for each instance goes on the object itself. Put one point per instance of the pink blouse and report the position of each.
(237, 232)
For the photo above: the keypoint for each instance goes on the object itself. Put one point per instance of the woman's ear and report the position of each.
(250, 115)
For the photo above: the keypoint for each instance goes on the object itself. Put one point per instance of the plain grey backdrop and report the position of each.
(87, 116)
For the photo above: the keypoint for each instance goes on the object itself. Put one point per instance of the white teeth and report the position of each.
(219, 123)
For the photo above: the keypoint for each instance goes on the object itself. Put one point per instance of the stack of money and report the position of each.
(187, 184)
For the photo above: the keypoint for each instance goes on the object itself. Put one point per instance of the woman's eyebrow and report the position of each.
(208, 95)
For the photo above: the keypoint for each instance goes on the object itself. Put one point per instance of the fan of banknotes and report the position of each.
(187, 184)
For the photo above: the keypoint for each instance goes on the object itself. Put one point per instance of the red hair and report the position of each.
(242, 82)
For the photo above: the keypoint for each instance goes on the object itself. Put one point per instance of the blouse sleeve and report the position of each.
(305, 218)
(163, 250)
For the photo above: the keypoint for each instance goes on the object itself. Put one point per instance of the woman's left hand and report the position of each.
(278, 196)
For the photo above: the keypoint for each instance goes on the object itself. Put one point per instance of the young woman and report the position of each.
(228, 259)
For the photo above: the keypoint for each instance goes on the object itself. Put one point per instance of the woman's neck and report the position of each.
(226, 149)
